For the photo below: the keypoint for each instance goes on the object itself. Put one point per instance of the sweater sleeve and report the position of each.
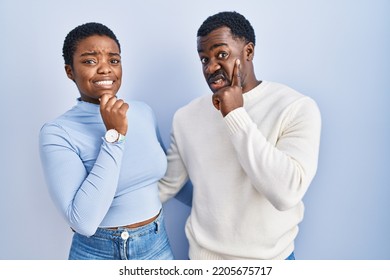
(281, 171)
(83, 198)
(176, 175)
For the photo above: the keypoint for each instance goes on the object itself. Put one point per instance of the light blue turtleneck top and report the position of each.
(99, 184)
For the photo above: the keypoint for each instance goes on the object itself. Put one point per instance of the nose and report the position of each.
(104, 67)
(211, 67)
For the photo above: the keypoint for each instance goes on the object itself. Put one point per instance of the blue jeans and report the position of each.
(291, 257)
(149, 242)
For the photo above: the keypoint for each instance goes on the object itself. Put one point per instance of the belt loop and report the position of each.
(157, 226)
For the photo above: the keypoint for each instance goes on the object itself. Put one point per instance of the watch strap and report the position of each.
(121, 138)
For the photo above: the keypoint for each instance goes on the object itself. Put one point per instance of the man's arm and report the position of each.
(282, 172)
(176, 175)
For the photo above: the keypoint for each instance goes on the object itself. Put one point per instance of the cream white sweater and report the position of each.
(249, 170)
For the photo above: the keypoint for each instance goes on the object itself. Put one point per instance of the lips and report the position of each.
(217, 81)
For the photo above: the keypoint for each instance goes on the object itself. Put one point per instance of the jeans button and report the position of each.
(125, 235)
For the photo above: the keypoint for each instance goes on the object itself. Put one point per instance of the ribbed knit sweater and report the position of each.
(94, 183)
(249, 170)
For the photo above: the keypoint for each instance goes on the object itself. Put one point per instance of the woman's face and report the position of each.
(97, 68)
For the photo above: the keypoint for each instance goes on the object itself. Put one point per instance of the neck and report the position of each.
(251, 84)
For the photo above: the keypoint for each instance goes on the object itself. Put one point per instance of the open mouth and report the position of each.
(216, 82)
(104, 83)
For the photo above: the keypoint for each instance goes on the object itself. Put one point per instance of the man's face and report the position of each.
(97, 68)
(218, 52)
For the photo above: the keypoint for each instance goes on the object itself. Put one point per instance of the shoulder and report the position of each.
(63, 120)
(140, 107)
(53, 134)
(57, 125)
(282, 91)
(287, 96)
(295, 105)
(140, 113)
(60, 128)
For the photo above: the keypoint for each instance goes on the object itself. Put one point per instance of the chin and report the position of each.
(108, 93)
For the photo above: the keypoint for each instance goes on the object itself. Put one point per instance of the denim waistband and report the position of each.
(153, 226)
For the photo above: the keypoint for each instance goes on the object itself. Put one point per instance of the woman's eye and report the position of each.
(89, 61)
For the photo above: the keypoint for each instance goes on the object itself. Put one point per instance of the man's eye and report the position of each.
(222, 55)
(203, 60)
(115, 61)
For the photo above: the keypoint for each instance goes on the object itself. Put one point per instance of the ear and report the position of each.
(249, 51)
(69, 72)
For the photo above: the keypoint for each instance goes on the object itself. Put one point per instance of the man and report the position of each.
(250, 151)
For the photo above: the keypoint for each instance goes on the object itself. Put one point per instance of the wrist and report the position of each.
(113, 136)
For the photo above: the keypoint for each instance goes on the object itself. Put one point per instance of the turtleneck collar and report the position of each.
(88, 107)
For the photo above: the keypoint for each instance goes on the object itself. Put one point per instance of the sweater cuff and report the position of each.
(237, 120)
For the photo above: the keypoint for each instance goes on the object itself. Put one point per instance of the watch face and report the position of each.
(111, 136)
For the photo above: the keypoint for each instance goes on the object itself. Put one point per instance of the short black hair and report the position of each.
(238, 24)
(81, 32)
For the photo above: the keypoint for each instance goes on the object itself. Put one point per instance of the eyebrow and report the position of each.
(213, 47)
(95, 53)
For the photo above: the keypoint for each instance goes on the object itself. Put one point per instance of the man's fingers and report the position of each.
(236, 79)
(216, 102)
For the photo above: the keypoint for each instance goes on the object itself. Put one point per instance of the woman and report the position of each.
(102, 160)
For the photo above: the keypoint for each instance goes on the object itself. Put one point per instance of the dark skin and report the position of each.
(227, 64)
(97, 72)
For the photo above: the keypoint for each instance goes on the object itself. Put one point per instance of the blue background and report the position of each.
(337, 52)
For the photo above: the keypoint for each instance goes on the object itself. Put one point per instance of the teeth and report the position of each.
(104, 82)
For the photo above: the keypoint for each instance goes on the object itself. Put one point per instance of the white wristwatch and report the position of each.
(113, 136)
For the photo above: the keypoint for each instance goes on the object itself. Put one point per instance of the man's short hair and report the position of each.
(240, 27)
(81, 32)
